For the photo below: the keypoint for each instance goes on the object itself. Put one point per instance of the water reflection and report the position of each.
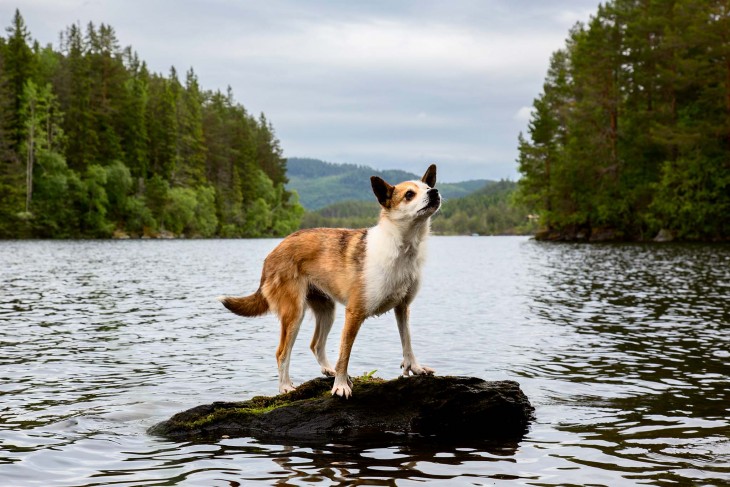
(646, 368)
(336, 463)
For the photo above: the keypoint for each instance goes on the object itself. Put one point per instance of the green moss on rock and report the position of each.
(424, 405)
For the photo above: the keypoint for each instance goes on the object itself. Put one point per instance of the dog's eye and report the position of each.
(410, 194)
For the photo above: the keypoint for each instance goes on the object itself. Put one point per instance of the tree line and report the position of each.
(93, 143)
(487, 211)
(631, 133)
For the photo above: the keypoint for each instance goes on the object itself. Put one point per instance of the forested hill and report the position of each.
(321, 183)
(631, 134)
(92, 143)
(487, 211)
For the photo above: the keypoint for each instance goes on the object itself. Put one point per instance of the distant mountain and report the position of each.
(321, 183)
(487, 211)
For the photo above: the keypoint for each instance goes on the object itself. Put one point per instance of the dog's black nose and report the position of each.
(433, 191)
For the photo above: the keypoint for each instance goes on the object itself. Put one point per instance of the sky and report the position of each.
(392, 84)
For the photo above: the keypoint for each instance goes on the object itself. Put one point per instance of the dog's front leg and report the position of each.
(409, 364)
(343, 384)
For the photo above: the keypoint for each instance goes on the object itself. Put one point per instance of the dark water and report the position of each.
(623, 349)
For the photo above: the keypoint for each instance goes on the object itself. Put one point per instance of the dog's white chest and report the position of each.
(392, 270)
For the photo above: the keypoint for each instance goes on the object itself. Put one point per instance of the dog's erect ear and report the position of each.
(430, 177)
(382, 190)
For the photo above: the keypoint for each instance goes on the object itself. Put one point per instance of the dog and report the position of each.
(370, 271)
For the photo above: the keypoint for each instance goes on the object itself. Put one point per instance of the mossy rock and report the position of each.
(422, 406)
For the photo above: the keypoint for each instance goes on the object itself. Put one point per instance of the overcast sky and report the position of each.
(387, 83)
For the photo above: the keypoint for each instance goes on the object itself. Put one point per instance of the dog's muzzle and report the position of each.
(434, 202)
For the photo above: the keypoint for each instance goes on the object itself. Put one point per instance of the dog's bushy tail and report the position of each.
(253, 305)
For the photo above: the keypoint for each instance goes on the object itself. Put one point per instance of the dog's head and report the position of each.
(410, 200)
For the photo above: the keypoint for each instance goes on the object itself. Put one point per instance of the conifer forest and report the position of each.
(93, 144)
(631, 133)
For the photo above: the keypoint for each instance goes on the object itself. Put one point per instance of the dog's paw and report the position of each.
(416, 369)
(284, 388)
(342, 388)
(328, 371)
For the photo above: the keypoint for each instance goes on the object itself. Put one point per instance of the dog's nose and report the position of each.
(433, 192)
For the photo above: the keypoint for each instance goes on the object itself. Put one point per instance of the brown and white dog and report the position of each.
(370, 271)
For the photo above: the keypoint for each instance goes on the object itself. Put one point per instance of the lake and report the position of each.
(622, 349)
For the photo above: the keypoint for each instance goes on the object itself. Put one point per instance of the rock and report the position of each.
(605, 234)
(664, 235)
(412, 407)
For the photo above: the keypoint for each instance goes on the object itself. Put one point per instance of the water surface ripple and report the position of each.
(623, 350)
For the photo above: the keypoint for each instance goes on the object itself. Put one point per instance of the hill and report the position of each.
(321, 183)
(487, 211)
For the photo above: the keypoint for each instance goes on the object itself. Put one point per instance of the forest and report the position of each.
(93, 144)
(630, 136)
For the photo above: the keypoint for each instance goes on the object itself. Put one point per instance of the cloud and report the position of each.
(436, 49)
(390, 84)
(523, 114)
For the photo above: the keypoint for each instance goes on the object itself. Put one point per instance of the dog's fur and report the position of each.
(370, 271)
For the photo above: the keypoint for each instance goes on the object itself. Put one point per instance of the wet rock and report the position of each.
(664, 235)
(605, 234)
(413, 407)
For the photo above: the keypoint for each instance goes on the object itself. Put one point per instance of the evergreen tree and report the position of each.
(19, 68)
(161, 120)
(75, 93)
(133, 125)
(646, 140)
(92, 143)
(191, 143)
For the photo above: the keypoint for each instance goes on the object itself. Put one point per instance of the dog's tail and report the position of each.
(253, 305)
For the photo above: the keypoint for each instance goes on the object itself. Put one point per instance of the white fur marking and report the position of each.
(395, 252)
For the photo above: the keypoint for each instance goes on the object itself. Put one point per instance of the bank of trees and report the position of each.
(631, 134)
(488, 211)
(92, 142)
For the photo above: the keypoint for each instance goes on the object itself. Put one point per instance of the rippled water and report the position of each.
(623, 350)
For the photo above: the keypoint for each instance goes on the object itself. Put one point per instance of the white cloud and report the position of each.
(523, 114)
(386, 45)
(569, 17)
(388, 84)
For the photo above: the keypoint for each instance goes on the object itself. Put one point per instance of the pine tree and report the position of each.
(161, 121)
(191, 143)
(133, 124)
(19, 68)
(91, 142)
(107, 94)
(76, 101)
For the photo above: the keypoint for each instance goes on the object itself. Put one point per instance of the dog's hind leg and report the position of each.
(324, 313)
(291, 314)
